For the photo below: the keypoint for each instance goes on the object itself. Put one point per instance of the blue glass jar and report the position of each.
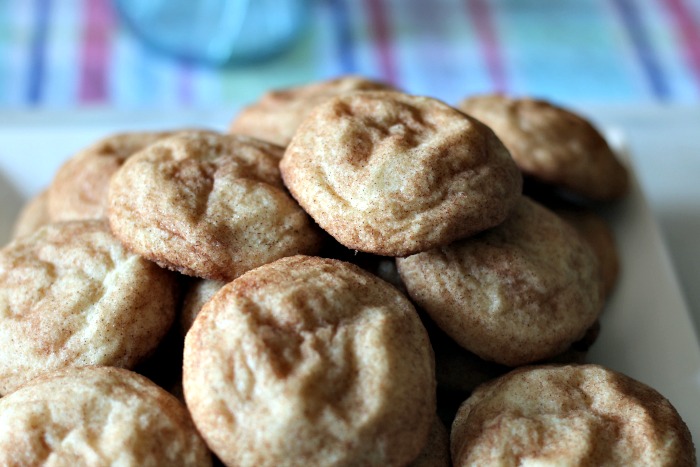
(217, 32)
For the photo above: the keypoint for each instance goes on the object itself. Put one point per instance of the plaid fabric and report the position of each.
(68, 53)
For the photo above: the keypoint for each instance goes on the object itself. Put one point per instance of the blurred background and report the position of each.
(63, 54)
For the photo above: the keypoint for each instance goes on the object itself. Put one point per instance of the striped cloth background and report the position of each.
(70, 53)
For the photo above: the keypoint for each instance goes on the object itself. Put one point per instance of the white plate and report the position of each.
(646, 331)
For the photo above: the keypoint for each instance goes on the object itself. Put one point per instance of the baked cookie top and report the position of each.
(208, 205)
(278, 113)
(79, 188)
(310, 361)
(569, 415)
(553, 145)
(521, 292)
(72, 295)
(394, 174)
(97, 416)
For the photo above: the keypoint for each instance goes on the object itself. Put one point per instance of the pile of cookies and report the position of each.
(345, 274)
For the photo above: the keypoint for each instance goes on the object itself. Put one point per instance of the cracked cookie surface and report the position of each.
(569, 415)
(97, 416)
(72, 295)
(278, 113)
(521, 292)
(553, 145)
(310, 361)
(394, 174)
(208, 205)
(79, 188)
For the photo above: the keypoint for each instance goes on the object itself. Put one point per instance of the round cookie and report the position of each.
(310, 361)
(569, 415)
(393, 174)
(596, 231)
(521, 292)
(277, 115)
(208, 205)
(553, 145)
(72, 295)
(33, 215)
(79, 188)
(97, 416)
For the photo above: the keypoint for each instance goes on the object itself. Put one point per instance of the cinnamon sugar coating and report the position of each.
(72, 295)
(79, 188)
(394, 174)
(310, 361)
(208, 205)
(553, 145)
(516, 294)
(97, 416)
(278, 113)
(569, 415)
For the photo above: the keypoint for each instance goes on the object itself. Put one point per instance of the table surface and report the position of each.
(665, 145)
(77, 53)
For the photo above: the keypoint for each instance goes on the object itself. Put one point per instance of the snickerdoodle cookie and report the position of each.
(518, 293)
(79, 188)
(97, 416)
(553, 145)
(33, 215)
(569, 415)
(208, 205)
(310, 361)
(72, 295)
(394, 174)
(277, 115)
